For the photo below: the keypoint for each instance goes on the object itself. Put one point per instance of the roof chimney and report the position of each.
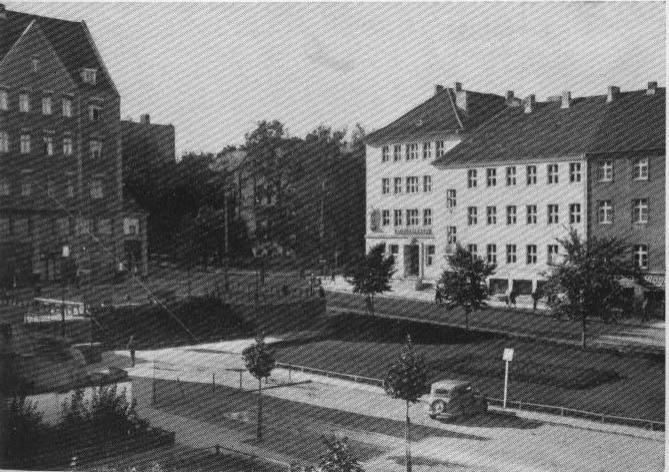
(612, 93)
(530, 103)
(509, 95)
(438, 88)
(3, 12)
(145, 119)
(566, 99)
(652, 88)
(458, 86)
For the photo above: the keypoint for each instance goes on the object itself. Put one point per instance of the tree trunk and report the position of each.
(407, 438)
(259, 433)
(583, 328)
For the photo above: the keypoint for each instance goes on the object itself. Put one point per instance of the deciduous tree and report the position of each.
(259, 361)
(371, 274)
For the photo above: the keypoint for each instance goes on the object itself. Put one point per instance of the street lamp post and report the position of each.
(65, 255)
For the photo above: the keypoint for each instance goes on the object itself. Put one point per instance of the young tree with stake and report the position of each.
(259, 361)
(407, 380)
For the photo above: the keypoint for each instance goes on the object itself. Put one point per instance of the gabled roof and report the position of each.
(70, 39)
(439, 115)
(633, 121)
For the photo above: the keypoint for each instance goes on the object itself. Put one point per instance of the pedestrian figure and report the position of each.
(507, 297)
(131, 348)
(438, 299)
(321, 291)
(512, 297)
(536, 295)
(644, 309)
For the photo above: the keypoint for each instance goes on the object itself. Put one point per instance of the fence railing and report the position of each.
(519, 404)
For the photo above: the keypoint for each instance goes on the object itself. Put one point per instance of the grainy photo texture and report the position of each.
(333, 237)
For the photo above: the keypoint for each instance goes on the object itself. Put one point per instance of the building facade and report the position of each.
(403, 199)
(60, 152)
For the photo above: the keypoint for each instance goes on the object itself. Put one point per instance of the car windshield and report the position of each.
(442, 392)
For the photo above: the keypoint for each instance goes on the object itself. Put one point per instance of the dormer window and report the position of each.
(94, 112)
(89, 75)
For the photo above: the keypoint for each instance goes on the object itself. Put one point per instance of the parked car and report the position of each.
(450, 399)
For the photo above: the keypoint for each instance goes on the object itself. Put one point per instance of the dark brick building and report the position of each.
(60, 152)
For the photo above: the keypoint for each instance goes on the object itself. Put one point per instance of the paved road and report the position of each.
(297, 415)
(523, 323)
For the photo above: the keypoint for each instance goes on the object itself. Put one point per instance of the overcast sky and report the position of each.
(214, 70)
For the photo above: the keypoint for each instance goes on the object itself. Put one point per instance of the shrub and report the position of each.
(26, 433)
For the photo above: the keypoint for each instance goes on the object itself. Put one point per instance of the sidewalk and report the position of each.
(524, 442)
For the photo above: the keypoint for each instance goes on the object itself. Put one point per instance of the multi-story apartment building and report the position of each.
(535, 170)
(404, 201)
(60, 151)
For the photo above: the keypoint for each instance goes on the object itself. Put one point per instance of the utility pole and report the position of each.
(225, 220)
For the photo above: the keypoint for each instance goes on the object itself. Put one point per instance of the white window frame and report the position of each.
(472, 216)
(511, 214)
(95, 149)
(552, 252)
(511, 176)
(385, 217)
(427, 150)
(640, 211)
(397, 185)
(451, 234)
(427, 217)
(473, 250)
(427, 183)
(89, 75)
(574, 172)
(605, 171)
(385, 154)
(26, 144)
(491, 177)
(68, 146)
(47, 105)
(412, 184)
(552, 174)
(24, 102)
(640, 169)
(491, 215)
(413, 218)
(531, 254)
(397, 152)
(67, 107)
(604, 212)
(4, 100)
(48, 144)
(451, 198)
(4, 141)
(511, 254)
(397, 218)
(531, 174)
(553, 212)
(472, 180)
(574, 213)
(439, 148)
(429, 255)
(385, 186)
(641, 255)
(411, 151)
(491, 253)
(531, 214)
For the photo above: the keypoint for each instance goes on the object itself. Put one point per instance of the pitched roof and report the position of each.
(439, 115)
(70, 40)
(632, 121)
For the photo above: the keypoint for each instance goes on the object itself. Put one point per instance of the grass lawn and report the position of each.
(609, 383)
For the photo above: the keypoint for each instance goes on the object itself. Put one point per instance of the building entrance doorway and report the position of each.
(411, 260)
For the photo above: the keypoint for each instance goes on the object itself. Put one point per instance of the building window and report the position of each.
(398, 185)
(26, 187)
(641, 255)
(531, 254)
(46, 106)
(385, 218)
(96, 149)
(427, 217)
(605, 171)
(640, 211)
(472, 249)
(491, 177)
(574, 213)
(427, 150)
(531, 214)
(63, 227)
(4, 187)
(69, 187)
(451, 235)
(89, 76)
(439, 145)
(491, 252)
(471, 216)
(531, 172)
(67, 146)
(471, 178)
(397, 152)
(104, 226)
(640, 169)
(510, 253)
(429, 255)
(604, 212)
(25, 144)
(412, 184)
(67, 107)
(34, 63)
(96, 189)
(4, 141)
(385, 154)
(553, 214)
(511, 215)
(24, 103)
(491, 215)
(94, 112)
(427, 183)
(451, 200)
(385, 186)
(130, 226)
(411, 151)
(412, 217)
(394, 250)
(511, 175)
(398, 218)
(4, 100)
(552, 253)
(552, 170)
(48, 145)
(574, 172)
